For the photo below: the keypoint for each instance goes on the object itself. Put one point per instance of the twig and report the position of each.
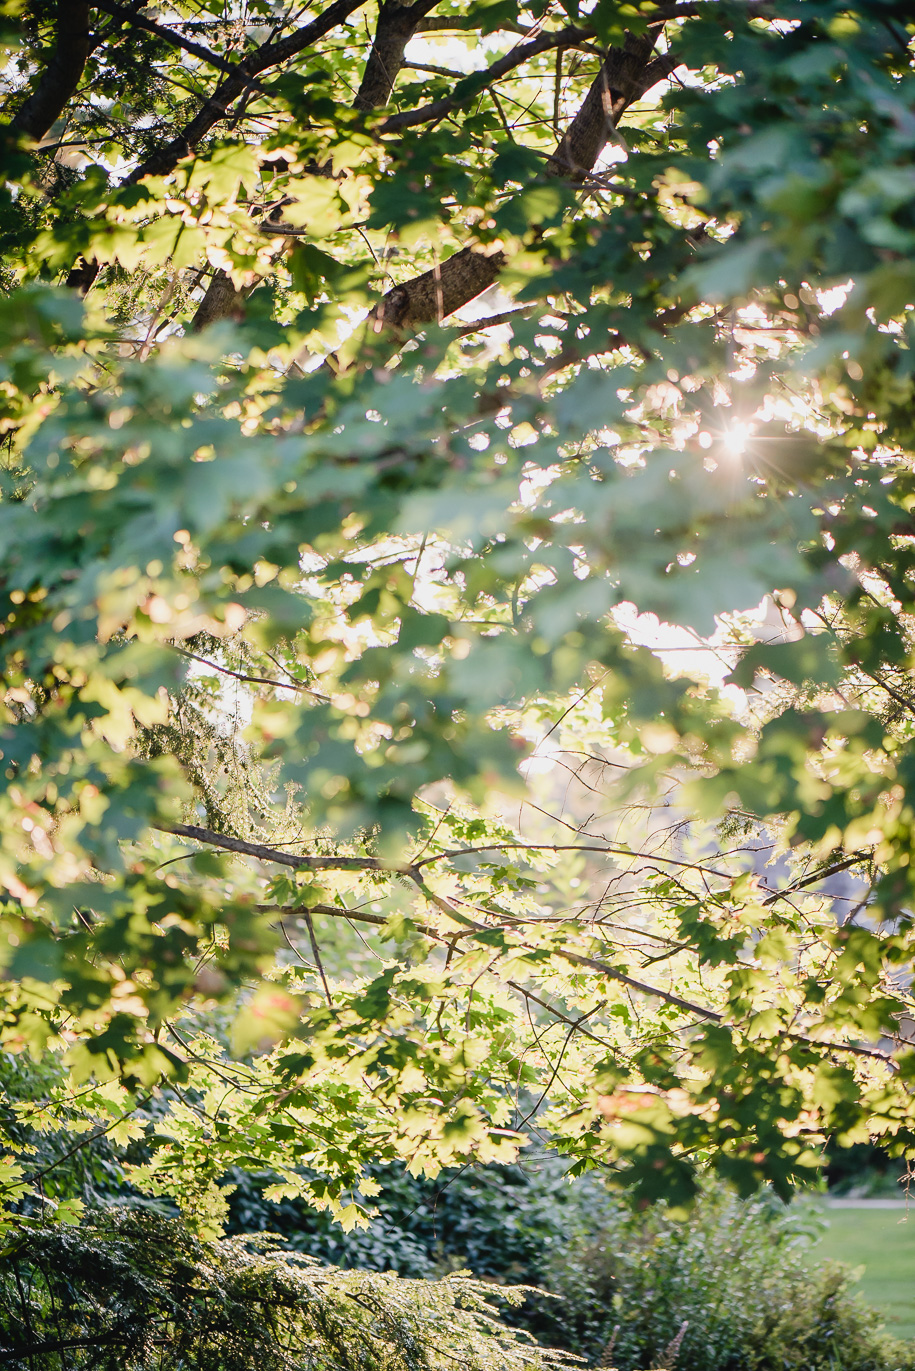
(139, 21)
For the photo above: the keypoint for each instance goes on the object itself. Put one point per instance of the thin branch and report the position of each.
(316, 863)
(351, 915)
(820, 875)
(292, 684)
(557, 1013)
(434, 71)
(212, 59)
(494, 320)
(217, 106)
(652, 991)
(317, 956)
(29, 1350)
(609, 849)
(272, 854)
(84, 1140)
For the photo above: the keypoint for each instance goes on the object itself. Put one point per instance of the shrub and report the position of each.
(501, 1222)
(736, 1272)
(816, 1322)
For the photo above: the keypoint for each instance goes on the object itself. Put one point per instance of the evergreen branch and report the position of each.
(28, 1350)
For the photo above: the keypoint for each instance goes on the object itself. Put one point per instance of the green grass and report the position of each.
(883, 1242)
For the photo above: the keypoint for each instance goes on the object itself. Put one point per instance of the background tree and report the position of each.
(299, 594)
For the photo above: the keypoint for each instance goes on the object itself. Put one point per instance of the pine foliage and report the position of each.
(133, 1291)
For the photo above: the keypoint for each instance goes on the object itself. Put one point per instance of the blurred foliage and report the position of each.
(561, 666)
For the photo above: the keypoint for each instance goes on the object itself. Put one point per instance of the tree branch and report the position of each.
(216, 107)
(563, 1018)
(858, 859)
(61, 76)
(397, 23)
(396, 26)
(273, 854)
(460, 23)
(29, 1350)
(467, 90)
(340, 863)
(432, 296)
(493, 321)
(291, 684)
(177, 40)
(626, 74)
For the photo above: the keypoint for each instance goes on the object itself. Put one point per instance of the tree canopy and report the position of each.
(456, 586)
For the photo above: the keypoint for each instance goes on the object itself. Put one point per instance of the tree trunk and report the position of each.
(61, 76)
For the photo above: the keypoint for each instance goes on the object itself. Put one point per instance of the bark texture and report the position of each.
(625, 74)
(221, 301)
(439, 292)
(60, 78)
(397, 23)
(620, 82)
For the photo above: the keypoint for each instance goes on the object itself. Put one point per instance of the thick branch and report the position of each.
(625, 75)
(627, 72)
(468, 90)
(437, 293)
(397, 23)
(273, 854)
(61, 76)
(221, 301)
(459, 23)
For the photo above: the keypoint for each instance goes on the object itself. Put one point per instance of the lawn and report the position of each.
(883, 1242)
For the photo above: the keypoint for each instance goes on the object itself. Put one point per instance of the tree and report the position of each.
(307, 576)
